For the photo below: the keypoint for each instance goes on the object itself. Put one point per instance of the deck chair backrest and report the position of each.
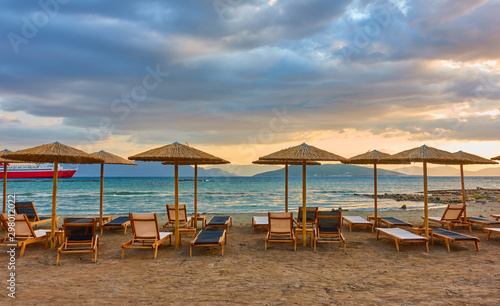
(182, 213)
(22, 226)
(329, 221)
(311, 214)
(453, 213)
(79, 233)
(27, 208)
(280, 222)
(144, 225)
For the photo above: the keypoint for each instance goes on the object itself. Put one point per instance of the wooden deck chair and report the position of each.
(394, 222)
(449, 236)
(258, 221)
(145, 232)
(281, 229)
(184, 220)
(328, 228)
(497, 217)
(220, 221)
(491, 230)
(311, 216)
(356, 221)
(482, 222)
(79, 237)
(452, 216)
(400, 235)
(208, 238)
(118, 222)
(23, 234)
(28, 209)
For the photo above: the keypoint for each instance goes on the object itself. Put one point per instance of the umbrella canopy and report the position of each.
(176, 154)
(54, 153)
(372, 157)
(496, 158)
(196, 163)
(6, 161)
(286, 163)
(108, 158)
(303, 153)
(471, 160)
(425, 155)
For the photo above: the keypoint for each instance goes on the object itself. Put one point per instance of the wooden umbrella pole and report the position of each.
(426, 210)
(54, 201)
(177, 236)
(463, 190)
(4, 188)
(195, 195)
(375, 192)
(101, 200)
(286, 188)
(304, 204)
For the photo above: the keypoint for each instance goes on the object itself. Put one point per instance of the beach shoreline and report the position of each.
(371, 273)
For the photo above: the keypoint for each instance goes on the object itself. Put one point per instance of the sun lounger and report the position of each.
(491, 230)
(23, 234)
(356, 221)
(220, 221)
(79, 237)
(258, 221)
(281, 229)
(208, 238)
(145, 233)
(118, 222)
(449, 236)
(400, 235)
(28, 209)
(497, 217)
(328, 228)
(483, 222)
(184, 220)
(311, 216)
(452, 216)
(393, 222)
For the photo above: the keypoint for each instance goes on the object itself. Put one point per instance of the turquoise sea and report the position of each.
(226, 194)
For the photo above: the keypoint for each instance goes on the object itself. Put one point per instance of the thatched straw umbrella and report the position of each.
(6, 161)
(178, 154)
(55, 153)
(425, 154)
(196, 164)
(286, 163)
(303, 153)
(471, 159)
(111, 159)
(372, 157)
(496, 158)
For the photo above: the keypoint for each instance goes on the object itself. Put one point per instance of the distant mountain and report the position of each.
(449, 171)
(245, 170)
(145, 169)
(330, 170)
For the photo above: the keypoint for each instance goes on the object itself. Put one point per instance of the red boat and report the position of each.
(37, 171)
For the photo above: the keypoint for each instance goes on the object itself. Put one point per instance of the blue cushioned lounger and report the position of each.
(391, 222)
(209, 238)
(449, 236)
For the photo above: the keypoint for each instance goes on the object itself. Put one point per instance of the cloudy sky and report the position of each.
(243, 78)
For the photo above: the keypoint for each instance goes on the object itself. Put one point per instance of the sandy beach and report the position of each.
(371, 273)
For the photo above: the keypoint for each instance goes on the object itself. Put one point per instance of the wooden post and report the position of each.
(286, 187)
(177, 234)
(464, 201)
(54, 206)
(304, 203)
(101, 200)
(426, 208)
(375, 193)
(195, 195)
(4, 188)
